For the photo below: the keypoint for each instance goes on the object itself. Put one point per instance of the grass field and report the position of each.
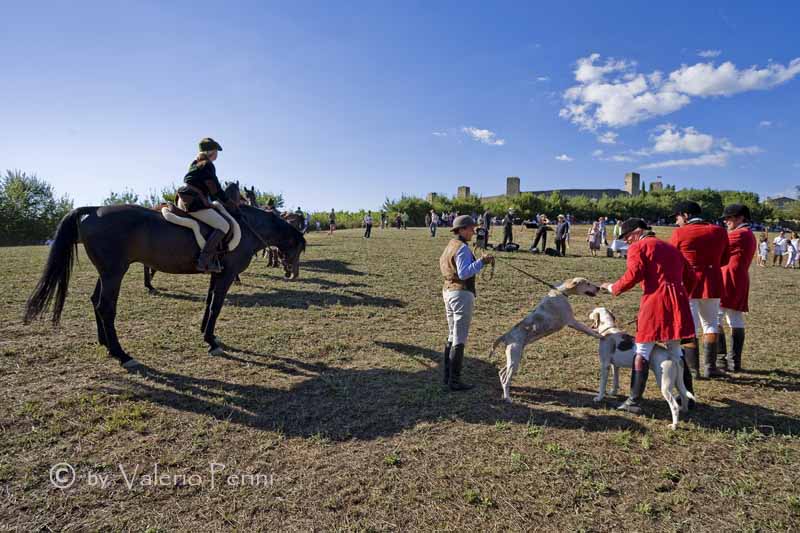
(330, 390)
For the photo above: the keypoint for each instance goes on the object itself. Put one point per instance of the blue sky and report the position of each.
(341, 104)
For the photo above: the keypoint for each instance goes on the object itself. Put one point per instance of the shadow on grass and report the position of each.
(294, 299)
(342, 404)
(331, 266)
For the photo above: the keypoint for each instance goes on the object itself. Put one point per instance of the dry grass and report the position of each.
(330, 387)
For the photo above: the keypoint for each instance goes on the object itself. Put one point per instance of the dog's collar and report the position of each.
(606, 329)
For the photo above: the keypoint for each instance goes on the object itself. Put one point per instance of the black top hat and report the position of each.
(689, 207)
(632, 224)
(736, 210)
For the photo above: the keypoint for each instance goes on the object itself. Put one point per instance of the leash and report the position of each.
(543, 282)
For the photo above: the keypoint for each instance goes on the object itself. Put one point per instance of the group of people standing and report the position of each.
(783, 245)
(689, 286)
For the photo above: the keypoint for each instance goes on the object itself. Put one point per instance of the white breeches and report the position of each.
(705, 312)
(646, 348)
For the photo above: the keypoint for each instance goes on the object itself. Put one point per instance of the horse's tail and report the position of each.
(55, 278)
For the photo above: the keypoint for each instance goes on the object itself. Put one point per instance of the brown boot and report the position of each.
(710, 369)
(208, 262)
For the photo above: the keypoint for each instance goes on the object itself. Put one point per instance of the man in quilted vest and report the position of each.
(459, 268)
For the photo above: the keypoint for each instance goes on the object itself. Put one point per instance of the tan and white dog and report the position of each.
(617, 350)
(552, 314)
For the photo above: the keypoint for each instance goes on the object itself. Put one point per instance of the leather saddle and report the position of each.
(175, 215)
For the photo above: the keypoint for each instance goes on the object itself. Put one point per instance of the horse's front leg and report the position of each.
(209, 296)
(217, 293)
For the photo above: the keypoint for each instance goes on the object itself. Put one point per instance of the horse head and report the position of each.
(275, 231)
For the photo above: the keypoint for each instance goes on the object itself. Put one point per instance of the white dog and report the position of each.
(551, 314)
(617, 349)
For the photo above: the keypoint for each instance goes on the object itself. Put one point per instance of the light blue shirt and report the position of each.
(466, 264)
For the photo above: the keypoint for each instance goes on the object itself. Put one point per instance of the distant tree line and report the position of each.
(651, 206)
(30, 210)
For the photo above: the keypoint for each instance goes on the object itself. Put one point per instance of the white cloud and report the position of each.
(728, 146)
(704, 79)
(765, 124)
(719, 159)
(543, 78)
(564, 157)
(608, 137)
(597, 153)
(619, 158)
(672, 139)
(485, 136)
(613, 94)
(439, 133)
(708, 54)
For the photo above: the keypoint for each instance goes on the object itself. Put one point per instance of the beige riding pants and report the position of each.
(210, 217)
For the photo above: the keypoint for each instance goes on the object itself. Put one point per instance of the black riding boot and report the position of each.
(735, 362)
(446, 364)
(722, 349)
(456, 361)
(710, 369)
(692, 358)
(687, 381)
(641, 367)
(207, 262)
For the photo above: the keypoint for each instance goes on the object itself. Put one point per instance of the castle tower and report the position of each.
(657, 185)
(632, 186)
(463, 192)
(512, 186)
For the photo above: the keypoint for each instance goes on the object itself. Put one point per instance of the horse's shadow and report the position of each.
(341, 404)
(295, 299)
(331, 266)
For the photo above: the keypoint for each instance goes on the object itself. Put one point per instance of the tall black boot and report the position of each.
(687, 381)
(710, 369)
(691, 357)
(207, 262)
(446, 364)
(456, 361)
(641, 367)
(735, 362)
(722, 349)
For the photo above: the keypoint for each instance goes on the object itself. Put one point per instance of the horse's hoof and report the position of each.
(130, 364)
(673, 427)
(216, 351)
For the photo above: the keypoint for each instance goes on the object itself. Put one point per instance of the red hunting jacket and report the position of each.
(705, 247)
(664, 313)
(735, 274)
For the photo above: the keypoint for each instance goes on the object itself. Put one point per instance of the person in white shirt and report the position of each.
(368, 225)
(778, 248)
(791, 254)
(763, 251)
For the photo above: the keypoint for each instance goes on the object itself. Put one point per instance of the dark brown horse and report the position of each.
(232, 191)
(116, 236)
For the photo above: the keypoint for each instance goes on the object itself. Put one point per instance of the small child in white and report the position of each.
(791, 254)
(763, 251)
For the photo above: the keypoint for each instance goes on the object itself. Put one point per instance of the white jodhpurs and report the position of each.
(734, 318)
(458, 308)
(212, 218)
(705, 313)
(645, 349)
